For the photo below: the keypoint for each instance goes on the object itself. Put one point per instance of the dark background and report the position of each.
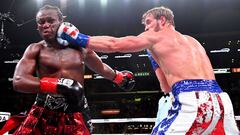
(215, 23)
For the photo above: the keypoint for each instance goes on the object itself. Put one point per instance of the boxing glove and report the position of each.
(68, 34)
(125, 80)
(69, 88)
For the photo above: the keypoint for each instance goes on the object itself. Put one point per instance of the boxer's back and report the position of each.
(182, 57)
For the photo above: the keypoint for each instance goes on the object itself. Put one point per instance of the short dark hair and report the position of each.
(157, 12)
(47, 7)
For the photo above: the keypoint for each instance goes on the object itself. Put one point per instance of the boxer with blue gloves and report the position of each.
(200, 106)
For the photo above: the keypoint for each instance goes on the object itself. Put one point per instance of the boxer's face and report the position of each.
(150, 22)
(48, 23)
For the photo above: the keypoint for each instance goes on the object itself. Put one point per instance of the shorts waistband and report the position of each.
(48, 101)
(196, 85)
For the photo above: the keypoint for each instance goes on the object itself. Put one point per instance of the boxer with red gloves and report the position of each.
(60, 106)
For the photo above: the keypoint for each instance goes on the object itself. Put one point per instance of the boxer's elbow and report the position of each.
(20, 85)
(17, 83)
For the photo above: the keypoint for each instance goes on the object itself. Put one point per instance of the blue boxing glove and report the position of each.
(68, 34)
(153, 62)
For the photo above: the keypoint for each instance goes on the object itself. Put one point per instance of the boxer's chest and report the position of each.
(61, 59)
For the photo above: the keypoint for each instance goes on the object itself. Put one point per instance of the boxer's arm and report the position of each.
(23, 78)
(94, 62)
(125, 44)
(68, 33)
(124, 79)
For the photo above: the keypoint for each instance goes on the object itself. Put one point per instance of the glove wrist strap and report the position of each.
(82, 40)
(118, 78)
(153, 62)
(48, 85)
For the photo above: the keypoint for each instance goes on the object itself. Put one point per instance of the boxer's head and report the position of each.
(155, 17)
(48, 20)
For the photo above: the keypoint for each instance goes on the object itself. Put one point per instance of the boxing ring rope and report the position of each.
(126, 120)
(237, 118)
(123, 120)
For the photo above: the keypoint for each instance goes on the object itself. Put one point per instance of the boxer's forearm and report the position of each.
(108, 72)
(106, 44)
(25, 84)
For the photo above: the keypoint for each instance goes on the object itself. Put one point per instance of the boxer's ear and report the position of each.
(162, 20)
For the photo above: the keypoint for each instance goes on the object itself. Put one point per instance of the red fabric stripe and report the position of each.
(199, 126)
(12, 123)
(219, 130)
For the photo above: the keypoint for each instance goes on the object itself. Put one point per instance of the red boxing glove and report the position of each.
(71, 89)
(125, 80)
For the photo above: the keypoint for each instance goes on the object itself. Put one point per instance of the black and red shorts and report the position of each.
(43, 121)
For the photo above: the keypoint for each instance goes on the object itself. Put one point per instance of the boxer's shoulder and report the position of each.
(39, 44)
(34, 48)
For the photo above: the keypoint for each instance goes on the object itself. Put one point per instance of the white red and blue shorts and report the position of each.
(200, 107)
